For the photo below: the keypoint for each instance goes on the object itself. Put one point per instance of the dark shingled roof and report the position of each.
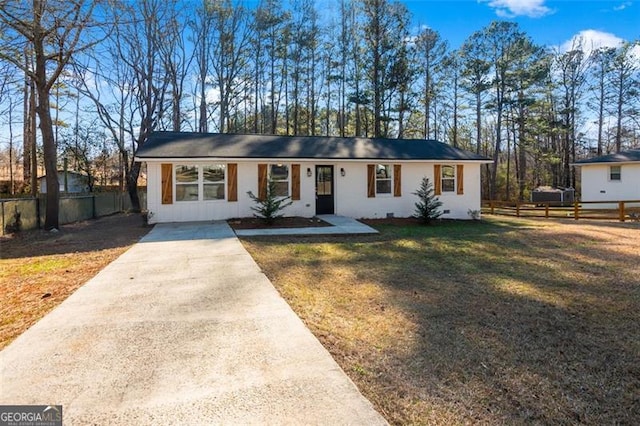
(214, 145)
(620, 157)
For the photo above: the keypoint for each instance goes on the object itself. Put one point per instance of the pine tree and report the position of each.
(270, 207)
(428, 207)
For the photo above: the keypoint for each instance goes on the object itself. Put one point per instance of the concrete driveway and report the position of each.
(181, 329)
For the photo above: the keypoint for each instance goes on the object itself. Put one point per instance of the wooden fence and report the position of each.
(28, 213)
(604, 210)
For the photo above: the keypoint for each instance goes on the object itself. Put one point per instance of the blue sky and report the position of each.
(550, 23)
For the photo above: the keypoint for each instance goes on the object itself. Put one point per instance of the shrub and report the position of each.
(269, 208)
(474, 214)
(428, 206)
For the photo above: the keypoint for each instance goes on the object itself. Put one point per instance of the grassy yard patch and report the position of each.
(39, 270)
(504, 321)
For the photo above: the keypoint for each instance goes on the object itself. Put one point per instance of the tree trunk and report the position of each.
(132, 187)
(48, 144)
(601, 90)
(427, 103)
(478, 121)
(455, 110)
(177, 116)
(377, 83)
(522, 152)
(203, 69)
(619, 103)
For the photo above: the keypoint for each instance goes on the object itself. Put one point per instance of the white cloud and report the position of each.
(513, 8)
(594, 39)
(622, 6)
(591, 40)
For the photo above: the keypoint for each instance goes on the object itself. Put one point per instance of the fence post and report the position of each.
(2, 204)
(491, 205)
(517, 208)
(38, 210)
(546, 210)
(576, 210)
(621, 210)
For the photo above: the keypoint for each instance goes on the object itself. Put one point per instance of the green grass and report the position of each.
(45, 265)
(500, 321)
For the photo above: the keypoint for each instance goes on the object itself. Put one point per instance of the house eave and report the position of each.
(604, 163)
(304, 160)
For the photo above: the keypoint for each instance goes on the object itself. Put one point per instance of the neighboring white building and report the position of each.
(613, 177)
(76, 182)
(196, 176)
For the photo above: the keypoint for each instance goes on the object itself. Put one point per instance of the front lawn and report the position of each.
(39, 270)
(503, 321)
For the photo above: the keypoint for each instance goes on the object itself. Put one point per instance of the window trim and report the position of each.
(177, 184)
(452, 179)
(389, 167)
(223, 182)
(619, 174)
(200, 182)
(288, 180)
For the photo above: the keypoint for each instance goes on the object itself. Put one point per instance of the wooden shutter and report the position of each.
(397, 180)
(262, 181)
(295, 181)
(167, 183)
(371, 180)
(460, 179)
(232, 182)
(437, 179)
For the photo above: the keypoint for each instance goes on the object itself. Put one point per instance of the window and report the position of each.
(200, 182)
(187, 183)
(213, 182)
(615, 173)
(448, 179)
(383, 179)
(279, 174)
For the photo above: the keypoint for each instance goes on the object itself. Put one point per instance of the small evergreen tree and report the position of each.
(270, 208)
(428, 206)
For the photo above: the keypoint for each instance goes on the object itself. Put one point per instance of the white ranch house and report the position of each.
(613, 177)
(201, 177)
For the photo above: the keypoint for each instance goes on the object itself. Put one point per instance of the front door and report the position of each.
(324, 190)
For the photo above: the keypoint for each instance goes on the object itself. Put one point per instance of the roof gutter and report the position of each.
(302, 160)
(604, 163)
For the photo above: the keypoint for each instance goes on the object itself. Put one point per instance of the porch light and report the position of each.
(308, 171)
(342, 172)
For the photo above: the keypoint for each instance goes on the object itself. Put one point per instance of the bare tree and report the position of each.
(201, 31)
(29, 117)
(131, 96)
(50, 32)
(230, 43)
(177, 59)
(7, 98)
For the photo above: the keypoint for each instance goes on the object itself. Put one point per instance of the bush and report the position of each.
(271, 207)
(428, 207)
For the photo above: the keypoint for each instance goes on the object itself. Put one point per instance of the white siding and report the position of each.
(352, 200)
(596, 185)
(350, 193)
